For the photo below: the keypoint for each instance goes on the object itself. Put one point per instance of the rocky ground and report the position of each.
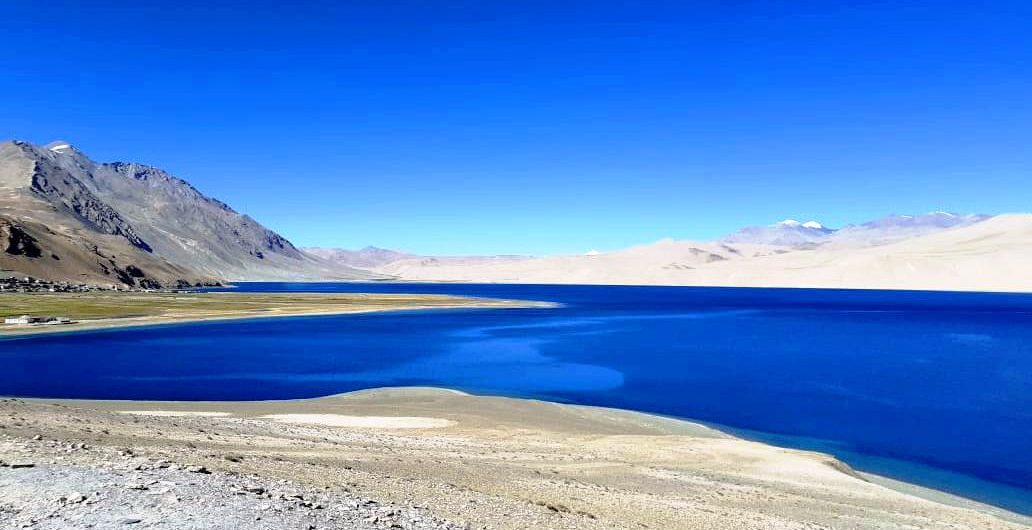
(42, 491)
(418, 458)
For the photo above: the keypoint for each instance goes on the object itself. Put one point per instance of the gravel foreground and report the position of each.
(483, 463)
(141, 493)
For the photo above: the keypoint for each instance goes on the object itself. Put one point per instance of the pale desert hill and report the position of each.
(991, 255)
(375, 258)
(662, 258)
(379, 259)
(988, 255)
(366, 257)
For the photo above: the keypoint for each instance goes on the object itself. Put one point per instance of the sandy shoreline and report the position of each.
(495, 462)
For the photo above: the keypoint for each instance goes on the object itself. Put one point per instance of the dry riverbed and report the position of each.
(97, 310)
(425, 458)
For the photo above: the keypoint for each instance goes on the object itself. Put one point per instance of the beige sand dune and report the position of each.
(176, 413)
(366, 422)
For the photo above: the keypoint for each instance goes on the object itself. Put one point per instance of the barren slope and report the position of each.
(990, 255)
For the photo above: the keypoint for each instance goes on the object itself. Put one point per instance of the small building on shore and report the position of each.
(26, 320)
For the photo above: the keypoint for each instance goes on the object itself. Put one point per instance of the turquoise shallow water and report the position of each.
(929, 387)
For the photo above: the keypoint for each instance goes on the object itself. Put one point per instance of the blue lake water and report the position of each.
(934, 388)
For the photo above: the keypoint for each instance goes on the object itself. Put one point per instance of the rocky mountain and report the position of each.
(52, 226)
(895, 227)
(133, 224)
(367, 257)
(787, 233)
(794, 234)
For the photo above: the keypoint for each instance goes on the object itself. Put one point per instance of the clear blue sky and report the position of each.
(538, 127)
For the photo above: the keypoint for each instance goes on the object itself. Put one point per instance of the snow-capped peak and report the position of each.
(61, 147)
(792, 223)
(592, 252)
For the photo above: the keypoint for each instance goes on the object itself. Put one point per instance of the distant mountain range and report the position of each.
(776, 238)
(383, 260)
(933, 251)
(786, 233)
(364, 258)
(65, 217)
(792, 233)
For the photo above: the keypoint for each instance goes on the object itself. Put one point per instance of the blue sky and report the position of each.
(538, 127)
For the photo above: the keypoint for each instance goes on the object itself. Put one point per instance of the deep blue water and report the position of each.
(935, 388)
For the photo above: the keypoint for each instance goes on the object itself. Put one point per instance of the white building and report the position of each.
(27, 319)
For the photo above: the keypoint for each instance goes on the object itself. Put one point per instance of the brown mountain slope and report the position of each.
(107, 218)
(53, 227)
(32, 249)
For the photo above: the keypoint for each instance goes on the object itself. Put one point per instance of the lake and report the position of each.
(933, 388)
